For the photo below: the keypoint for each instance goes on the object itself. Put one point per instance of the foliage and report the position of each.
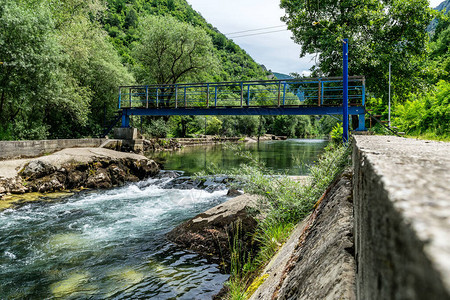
(427, 113)
(336, 133)
(28, 80)
(213, 125)
(60, 71)
(157, 128)
(171, 51)
(378, 32)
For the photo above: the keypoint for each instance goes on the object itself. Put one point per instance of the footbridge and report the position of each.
(306, 96)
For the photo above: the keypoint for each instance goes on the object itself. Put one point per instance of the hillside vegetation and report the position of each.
(62, 62)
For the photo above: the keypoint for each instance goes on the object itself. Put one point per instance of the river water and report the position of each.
(111, 244)
(291, 157)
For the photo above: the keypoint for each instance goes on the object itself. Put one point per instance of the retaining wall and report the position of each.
(16, 149)
(402, 218)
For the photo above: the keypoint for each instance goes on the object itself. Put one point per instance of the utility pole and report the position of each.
(345, 92)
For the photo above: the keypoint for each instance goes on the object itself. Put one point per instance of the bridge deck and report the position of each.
(306, 96)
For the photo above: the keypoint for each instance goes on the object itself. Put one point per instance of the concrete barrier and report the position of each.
(16, 149)
(402, 218)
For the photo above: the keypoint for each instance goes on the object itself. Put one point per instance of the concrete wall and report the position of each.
(402, 218)
(15, 149)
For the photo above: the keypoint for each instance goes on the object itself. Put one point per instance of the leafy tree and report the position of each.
(91, 71)
(171, 51)
(378, 32)
(28, 75)
(213, 125)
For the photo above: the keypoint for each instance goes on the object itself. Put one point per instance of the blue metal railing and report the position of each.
(267, 93)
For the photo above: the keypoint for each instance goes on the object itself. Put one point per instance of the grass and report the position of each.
(285, 203)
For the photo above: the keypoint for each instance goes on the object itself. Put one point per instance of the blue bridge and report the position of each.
(306, 96)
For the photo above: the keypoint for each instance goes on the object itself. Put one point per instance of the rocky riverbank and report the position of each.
(211, 233)
(74, 168)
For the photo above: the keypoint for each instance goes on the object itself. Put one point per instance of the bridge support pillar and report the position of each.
(361, 122)
(125, 120)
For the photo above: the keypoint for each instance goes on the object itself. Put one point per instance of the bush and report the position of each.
(426, 114)
(336, 133)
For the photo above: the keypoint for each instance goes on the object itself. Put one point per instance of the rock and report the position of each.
(75, 168)
(49, 184)
(118, 175)
(211, 233)
(169, 174)
(15, 186)
(98, 180)
(37, 169)
(75, 178)
(234, 192)
(209, 184)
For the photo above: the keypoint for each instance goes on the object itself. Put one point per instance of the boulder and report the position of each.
(211, 233)
(100, 179)
(51, 183)
(37, 169)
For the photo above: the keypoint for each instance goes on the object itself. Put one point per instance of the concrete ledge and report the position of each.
(16, 149)
(402, 218)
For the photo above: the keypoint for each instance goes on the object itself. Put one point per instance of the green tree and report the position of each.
(29, 73)
(378, 32)
(171, 51)
(89, 70)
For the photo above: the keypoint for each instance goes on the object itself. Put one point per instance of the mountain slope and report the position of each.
(122, 19)
(445, 5)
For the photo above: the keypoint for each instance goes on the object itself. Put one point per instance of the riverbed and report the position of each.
(111, 243)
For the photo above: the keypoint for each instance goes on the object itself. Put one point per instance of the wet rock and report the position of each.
(100, 179)
(142, 168)
(211, 233)
(118, 175)
(49, 184)
(234, 192)
(13, 185)
(209, 184)
(75, 178)
(169, 174)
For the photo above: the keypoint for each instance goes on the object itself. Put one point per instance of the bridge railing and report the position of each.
(266, 93)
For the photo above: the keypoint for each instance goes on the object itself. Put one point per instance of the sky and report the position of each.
(277, 51)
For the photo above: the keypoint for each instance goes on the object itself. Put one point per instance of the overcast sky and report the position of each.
(275, 50)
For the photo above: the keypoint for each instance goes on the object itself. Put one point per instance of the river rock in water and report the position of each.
(75, 168)
(211, 233)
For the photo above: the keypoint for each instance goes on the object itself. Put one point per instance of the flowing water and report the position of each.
(106, 244)
(111, 244)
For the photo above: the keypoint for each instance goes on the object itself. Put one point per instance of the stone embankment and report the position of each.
(23, 149)
(402, 218)
(317, 261)
(74, 168)
(400, 222)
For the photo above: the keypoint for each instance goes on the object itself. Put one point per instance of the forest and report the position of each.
(62, 63)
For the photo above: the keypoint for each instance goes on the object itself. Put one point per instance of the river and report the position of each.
(111, 243)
